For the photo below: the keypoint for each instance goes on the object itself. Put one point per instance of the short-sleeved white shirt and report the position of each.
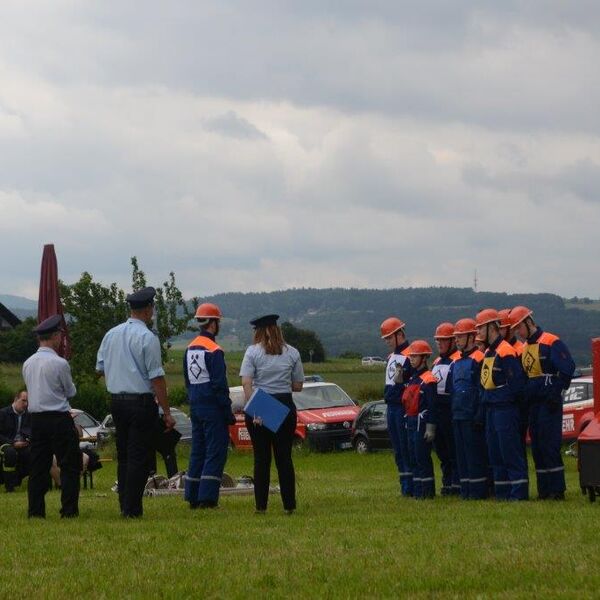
(272, 373)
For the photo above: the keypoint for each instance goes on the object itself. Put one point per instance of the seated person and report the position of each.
(15, 433)
(90, 461)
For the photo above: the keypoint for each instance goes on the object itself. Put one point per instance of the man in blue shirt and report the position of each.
(129, 358)
(210, 410)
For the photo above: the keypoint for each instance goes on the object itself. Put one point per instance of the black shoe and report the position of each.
(9, 489)
(289, 511)
(69, 515)
(260, 511)
(557, 496)
(208, 504)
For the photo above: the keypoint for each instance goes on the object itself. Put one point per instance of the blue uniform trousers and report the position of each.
(396, 421)
(545, 426)
(444, 448)
(506, 452)
(471, 460)
(420, 453)
(210, 441)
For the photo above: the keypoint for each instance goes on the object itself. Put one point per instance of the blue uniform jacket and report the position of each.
(548, 365)
(440, 370)
(464, 386)
(420, 397)
(205, 376)
(502, 377)
(393, 391)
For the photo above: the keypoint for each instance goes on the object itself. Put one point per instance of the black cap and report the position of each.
(141, 298)
(264, 321)
(49, 325)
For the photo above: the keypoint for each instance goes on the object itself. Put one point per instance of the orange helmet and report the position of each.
(444, 331)
(504, 317)
(487, 315)
(419, 347)
(208, 311)
(391, 326)
(518, 314)
(465, 326)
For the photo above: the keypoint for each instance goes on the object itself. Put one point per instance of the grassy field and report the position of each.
(352, 536)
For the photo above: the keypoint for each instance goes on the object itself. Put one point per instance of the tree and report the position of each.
(169, 305)
(92, 309)
(306, 341)
(18, 344)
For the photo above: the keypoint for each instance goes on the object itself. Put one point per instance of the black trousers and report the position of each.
(263, 441)
(14, 464)
(165, 444)
(54, 433)
(135, 419)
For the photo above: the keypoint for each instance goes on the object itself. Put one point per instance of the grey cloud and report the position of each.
(580, 179)
(233, 125)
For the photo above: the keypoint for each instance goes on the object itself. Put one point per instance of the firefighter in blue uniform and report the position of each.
(467, 413)
(210, 410)
(397, 373)
(549, 368)
(444, 436)
(503, 382)
(419, 400)
(507, 334)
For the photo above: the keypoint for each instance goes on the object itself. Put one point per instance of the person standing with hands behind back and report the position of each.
(129, 358)
(275, 367)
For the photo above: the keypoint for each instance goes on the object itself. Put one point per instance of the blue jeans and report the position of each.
(471, 460)
(506, 452)
(210, 441)
(396, 422)
(545, 426)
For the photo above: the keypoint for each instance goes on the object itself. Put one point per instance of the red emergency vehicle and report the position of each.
(325, 417)
(578, 407)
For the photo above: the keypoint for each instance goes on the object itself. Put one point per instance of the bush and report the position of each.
(365, 393)
(93, 398)
(6, 394)
(350, 354)
(178, 396)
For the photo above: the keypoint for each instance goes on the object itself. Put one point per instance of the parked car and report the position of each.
(89, 427)
(370, 361)
(325, 417)
(182, 423)
(369, 430)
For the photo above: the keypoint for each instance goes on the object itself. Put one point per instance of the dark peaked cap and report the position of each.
(141, 298)
(49, 325)
(264, 321)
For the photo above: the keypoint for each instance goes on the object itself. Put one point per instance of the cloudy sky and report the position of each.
(266, 145)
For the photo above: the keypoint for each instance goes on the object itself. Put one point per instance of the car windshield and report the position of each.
(325, 396)
(85, 420)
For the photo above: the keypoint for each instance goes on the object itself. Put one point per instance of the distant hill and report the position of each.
(18, 302)
(349, 319)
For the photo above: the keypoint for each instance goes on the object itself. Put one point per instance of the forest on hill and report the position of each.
(348, 319)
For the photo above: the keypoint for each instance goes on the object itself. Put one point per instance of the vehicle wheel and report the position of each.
(361, 444)
(592, 494)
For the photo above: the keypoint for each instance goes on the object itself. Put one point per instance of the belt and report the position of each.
(133, 397)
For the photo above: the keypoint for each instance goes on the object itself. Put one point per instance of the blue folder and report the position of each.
(269, 409)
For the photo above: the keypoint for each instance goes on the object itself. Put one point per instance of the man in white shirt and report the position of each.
(49, 385)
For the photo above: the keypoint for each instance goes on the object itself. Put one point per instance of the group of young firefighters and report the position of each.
(497, 378)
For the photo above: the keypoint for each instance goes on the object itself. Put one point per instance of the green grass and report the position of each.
(352, 536)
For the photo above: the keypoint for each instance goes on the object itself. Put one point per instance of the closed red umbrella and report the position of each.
(49, 298)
